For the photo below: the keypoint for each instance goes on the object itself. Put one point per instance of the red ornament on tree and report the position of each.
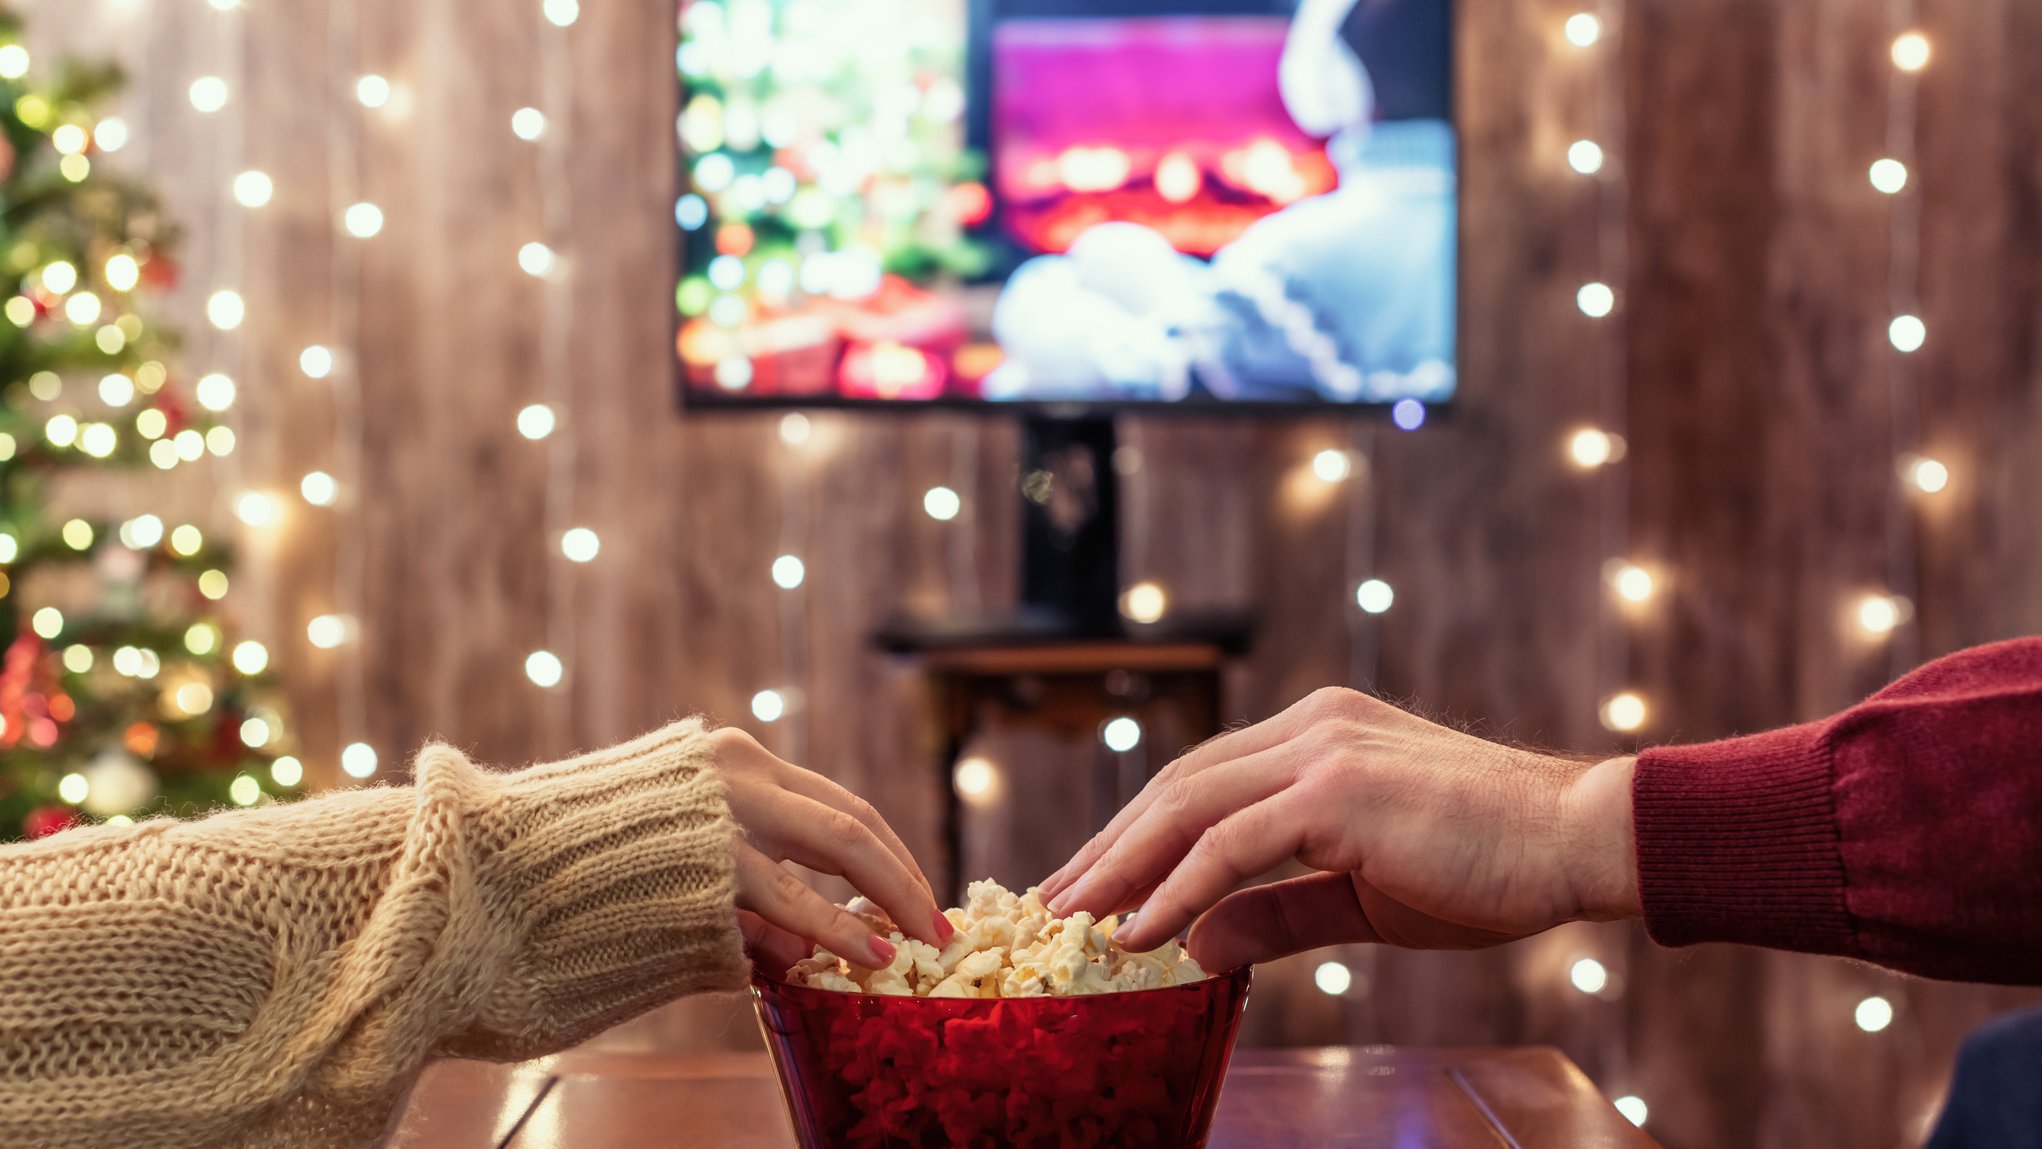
(26, 683)
(46, 820)
(159, 272)
(226, 750)
(176, 414)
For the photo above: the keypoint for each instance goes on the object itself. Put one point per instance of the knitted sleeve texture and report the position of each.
(1905, 831)
(279, 976)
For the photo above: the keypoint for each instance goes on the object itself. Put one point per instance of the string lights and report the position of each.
(1598, 449)
(962, 551)
(1625, 712)
(976, 780)
(544, 668)
(1331, 466)
(1375, 596)
(373, 92)
(318, 489)
(942, 503)
(1333, 978)
(254, 188)
(1350, 466)
(1873, 1014)
(362, 219)
(226, 312)
(1145, 602)
(581, 545)
(540, 422)
(536, 421)
(1882, 615)
(789, 572)
(358, 760)
(1121, 734)
(334, 631)
(326, 631)
(1589, 976)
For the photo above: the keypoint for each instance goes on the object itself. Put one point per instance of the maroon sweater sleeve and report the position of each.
(1905, 831)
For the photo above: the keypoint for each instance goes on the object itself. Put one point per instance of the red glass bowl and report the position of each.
(1137, 1070)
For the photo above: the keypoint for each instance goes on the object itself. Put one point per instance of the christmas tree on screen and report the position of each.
(828, 193)
(121, 692)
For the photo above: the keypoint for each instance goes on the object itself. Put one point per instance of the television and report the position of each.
(1096, 205)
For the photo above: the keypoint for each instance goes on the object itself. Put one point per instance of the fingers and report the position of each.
(1245, 844)
(1317, 910)
(1287, 917)
(1225, 748)
(1104, 839)
(1166, 831)
(757, 777)
(1398, 924)
(834, 842)
(782, 900)
(771, 948)
(812, 785)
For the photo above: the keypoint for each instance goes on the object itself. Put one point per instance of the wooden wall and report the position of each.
(1759, 461)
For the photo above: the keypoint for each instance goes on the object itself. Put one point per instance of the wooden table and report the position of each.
(1374, 1097)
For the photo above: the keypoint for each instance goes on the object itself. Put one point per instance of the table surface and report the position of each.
(1359, 1098)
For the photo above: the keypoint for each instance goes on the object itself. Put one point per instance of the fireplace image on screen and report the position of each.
(1198, 202)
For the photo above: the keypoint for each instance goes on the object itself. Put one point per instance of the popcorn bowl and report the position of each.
(1134, 1070)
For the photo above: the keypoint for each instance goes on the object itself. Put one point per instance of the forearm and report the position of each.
(1906, 831)
(279, 975)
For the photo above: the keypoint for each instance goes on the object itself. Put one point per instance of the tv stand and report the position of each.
(1070, 524)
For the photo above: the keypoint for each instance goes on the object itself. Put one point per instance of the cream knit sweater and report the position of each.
(279, 976)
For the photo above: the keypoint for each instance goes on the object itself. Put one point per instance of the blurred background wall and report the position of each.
(1758, 480)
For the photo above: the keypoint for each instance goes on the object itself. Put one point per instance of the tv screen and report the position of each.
(1197, 203)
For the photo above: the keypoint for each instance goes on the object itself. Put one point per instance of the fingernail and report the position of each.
(882, 952)
(1062, 904)
(944, 930)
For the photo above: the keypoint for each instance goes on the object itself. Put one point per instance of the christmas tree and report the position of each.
(121, 693)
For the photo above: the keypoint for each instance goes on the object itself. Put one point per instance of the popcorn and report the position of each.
(975, 976)
(1006, 945)
(823, 971)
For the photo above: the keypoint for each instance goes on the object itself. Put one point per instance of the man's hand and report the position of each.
(1425, 837)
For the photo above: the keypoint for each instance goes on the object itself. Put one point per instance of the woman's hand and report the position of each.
(1427, 837)
(790, 814)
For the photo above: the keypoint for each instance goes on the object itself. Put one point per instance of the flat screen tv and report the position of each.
(1197, 204)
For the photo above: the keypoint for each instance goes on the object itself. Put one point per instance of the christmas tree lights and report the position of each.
(120, 694)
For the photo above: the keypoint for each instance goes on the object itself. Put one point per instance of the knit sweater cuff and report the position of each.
(618, 868)
(1737, 842)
